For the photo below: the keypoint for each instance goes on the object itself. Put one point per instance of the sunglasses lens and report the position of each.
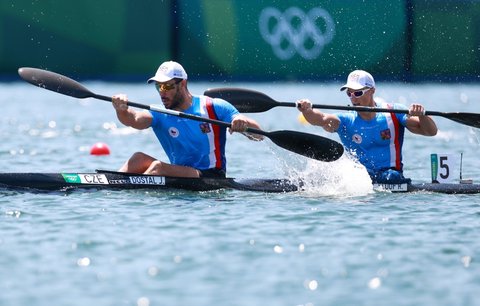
(357, 93)
(164, 87)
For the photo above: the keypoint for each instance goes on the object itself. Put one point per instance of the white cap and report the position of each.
(359, 79)
(167, 71)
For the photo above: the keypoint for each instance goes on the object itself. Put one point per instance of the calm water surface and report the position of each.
(338, 243)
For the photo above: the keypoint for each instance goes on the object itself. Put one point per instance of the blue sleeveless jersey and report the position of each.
(376, 143)
(193, 143)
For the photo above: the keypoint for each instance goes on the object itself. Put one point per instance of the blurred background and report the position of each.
(238, 40)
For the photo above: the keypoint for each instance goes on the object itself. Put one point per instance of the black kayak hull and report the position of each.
(118, 181)
(111, 180)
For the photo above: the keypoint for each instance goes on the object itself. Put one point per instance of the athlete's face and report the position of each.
(170, 93)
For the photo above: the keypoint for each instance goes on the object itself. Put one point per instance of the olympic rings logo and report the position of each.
(296, 32)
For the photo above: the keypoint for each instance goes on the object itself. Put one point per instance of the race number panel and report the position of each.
(444, 167)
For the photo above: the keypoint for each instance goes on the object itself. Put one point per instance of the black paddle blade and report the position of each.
(245, 100)
(309, 145)
(470, 119)
(54, 82)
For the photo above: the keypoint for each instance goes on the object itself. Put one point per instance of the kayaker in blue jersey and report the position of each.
(375, 139)
(195, 149)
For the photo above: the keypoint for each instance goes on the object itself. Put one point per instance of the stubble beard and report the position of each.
(175, 101)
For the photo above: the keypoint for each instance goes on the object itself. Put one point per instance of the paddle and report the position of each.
(308, 145)
(250, 101)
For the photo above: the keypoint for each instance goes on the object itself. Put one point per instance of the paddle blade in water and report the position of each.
(309, 145)
(54, 82)
(245, 100)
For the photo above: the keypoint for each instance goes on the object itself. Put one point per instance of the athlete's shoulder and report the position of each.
(382, 103)
(223, 105)
(207, 99)
(345, 117)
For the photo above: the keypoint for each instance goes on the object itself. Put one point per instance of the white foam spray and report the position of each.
(343, 178)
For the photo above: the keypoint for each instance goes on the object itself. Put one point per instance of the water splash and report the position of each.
(344, 178)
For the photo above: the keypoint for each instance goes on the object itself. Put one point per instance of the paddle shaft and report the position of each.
(360, 108)
(470, 119)
(180, 114)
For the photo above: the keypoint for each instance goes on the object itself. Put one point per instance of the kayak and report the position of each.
(104, 179)
(112, 180)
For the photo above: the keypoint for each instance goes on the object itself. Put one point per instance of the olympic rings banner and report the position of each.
(295, 32)
(289, 39)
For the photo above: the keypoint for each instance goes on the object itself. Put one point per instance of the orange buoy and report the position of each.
(99, 148)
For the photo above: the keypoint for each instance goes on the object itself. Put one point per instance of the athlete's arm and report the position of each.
(130, 117)
(329, 122)
(419, 123)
